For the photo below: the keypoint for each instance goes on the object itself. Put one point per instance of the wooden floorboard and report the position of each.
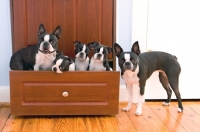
(109, 123)
(4, 114)
(124, 122)
(183, 118)
(163, 113)
(155, 118)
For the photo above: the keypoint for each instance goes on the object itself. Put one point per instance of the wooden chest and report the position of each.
(70, 93)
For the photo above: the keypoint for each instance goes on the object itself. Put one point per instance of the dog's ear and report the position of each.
(41, 30)
(91, 45)
(109, 49)
(57, 32)
(117, 49)
(135, 48)
(76, 43)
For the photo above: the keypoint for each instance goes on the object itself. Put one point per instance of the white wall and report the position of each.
(132, 26)
(124, 22)
(5, 46)
(174, 27)
(5, 49)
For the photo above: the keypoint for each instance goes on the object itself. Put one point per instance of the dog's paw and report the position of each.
(180, 110)
(165, 104)
(126, 109)
(138, 113)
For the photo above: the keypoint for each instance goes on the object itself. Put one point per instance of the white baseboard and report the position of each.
(5, 94)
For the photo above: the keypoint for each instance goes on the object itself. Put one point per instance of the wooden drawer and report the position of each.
(70, 93)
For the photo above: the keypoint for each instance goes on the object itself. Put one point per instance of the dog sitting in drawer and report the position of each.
(99, 61)
(81, 56)
(39, 56)
(63, 63)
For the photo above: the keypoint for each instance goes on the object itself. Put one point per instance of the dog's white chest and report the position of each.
(130, 77)
(96, 66)
(44, 61)
(81, 65)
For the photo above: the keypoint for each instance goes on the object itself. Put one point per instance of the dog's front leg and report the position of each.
(129, 88)
(36, 67)
(139, 105)
(140, 102)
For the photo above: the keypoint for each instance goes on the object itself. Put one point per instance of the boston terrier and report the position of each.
(63, 63)
(81, 56)
(136, 68)
(99, 61)
(40, 56)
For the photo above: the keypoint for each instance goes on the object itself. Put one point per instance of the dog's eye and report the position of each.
(121, 62)
(61, 68)
(39, 41)
(134, 61)
(78, 50)
(53, 42)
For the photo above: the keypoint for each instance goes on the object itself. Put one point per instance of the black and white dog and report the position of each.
(136, 68)
(81, 56)
(40, 56)
(99, 61)
(63, 63)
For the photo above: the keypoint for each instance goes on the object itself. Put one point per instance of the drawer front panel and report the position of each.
(64, 92)
(70, 93)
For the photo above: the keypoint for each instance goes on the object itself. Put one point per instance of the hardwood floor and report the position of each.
(155, 118)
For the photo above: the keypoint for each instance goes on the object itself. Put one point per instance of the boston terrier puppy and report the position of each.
(99, 61)
(81, 56)
(136, 68)
(40, 56)
(63, 63)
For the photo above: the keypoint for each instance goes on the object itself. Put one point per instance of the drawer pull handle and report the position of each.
(65, 94)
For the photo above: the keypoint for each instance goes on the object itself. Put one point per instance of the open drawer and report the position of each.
(69, 93)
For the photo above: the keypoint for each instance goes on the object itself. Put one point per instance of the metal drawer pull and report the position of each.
(65, 94)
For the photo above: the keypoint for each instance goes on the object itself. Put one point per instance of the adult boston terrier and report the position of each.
(99, 61)
(63, 63)
(81, 56)
(40, 56)
(136, 68)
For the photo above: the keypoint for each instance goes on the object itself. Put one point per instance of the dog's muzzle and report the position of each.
(98, 56)
(56, 69)
(81, 56)
(128, 66)
(46, 49)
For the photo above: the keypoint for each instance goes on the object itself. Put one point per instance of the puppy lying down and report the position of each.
(63, 63)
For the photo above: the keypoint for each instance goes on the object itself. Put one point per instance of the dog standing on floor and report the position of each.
(136, 68)
(81, 56)
(99, 61)
(40, 56)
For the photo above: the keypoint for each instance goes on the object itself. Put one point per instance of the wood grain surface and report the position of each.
(155, 118)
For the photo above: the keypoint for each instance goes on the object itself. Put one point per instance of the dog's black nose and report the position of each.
(128, 63)
(81, 53)
(55, 69)
(45, 43)
(99, 55)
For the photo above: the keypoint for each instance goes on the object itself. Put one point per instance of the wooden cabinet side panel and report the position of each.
(64, 15)
(19, 34)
